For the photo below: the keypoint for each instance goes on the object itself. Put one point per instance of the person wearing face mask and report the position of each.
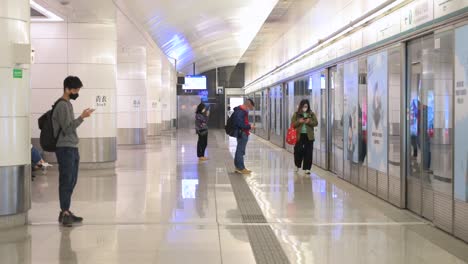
(201, 127)
(243, 127)
(68, 157)
(304, 121)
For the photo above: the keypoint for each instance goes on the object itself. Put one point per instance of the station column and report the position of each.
(15, 143)
(131, 95)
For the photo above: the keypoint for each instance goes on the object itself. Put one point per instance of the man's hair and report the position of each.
(251, 102)
(72, 82)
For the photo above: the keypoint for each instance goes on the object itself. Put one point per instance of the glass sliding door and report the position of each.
(461, 130)
(276, 114)
(257, 112)
(395, 139)
(430, 128)
(290, 109)
(261, 107)
(362, 123)
(319, 104)
(322, 138)
(315, 105)
(440, 98)
(350, 121)
(336, 119)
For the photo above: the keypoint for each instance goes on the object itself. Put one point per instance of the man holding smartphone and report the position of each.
(68, 157)
(243, 127)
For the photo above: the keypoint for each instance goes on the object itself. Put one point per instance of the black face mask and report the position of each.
(74, 96)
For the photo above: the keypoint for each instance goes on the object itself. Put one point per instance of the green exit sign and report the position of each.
(18, 73)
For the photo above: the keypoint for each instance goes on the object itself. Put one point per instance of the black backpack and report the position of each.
(231, 126)
(47, 139)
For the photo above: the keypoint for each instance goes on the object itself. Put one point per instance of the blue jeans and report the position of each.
(35, 156)
(68, 161)
(240, 151)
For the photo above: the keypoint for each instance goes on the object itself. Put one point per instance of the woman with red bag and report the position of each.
(304, 121)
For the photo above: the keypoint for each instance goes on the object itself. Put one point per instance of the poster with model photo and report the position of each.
(351, 84)
(377, 90)
(315, 104)
(461, 114)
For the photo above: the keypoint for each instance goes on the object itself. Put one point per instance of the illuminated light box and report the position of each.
(195, 82)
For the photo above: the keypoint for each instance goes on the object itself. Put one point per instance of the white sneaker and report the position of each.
(45, 165)
(307, 172)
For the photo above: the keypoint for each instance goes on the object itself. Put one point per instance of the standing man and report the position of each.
(243, 127)
(68, 157)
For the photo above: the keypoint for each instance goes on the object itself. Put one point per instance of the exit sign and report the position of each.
(18, 73)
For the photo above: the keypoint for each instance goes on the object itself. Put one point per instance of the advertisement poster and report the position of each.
(461, 114)
(315, 104)
(377, 90)
(351, 101)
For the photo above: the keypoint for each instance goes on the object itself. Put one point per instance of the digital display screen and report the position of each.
(195, 82)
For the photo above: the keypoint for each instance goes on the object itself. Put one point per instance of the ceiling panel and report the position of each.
(211, 33)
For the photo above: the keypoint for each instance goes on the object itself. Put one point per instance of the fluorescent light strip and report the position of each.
(51, 17)
(364, 21)
(325, 43)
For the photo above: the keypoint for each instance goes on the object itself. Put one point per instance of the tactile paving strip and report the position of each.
(248, 206)
(264, 243)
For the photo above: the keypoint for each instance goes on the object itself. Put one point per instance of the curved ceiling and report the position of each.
(209, 33)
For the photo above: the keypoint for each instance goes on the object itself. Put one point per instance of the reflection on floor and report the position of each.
(161, 206)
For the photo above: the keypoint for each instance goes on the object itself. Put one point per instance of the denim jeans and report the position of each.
(240, 151)
(35, 156)
(68, 161)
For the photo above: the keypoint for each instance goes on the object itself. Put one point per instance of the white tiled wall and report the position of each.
(328, 16)
(84, 50)
(17, 9)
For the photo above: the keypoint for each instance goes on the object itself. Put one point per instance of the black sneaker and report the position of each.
(67, 220)
(75, 219)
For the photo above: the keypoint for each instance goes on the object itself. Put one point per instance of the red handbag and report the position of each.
(291, 137)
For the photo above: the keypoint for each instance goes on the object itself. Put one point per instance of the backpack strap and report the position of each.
(56, 103)
(53, 108)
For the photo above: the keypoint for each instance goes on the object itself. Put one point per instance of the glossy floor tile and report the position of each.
(160, 205)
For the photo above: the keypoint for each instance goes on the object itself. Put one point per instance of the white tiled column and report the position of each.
(173, 97)
(15, 150)
(166, 95)
(131, 95)
(89, 51)
(154, 89)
